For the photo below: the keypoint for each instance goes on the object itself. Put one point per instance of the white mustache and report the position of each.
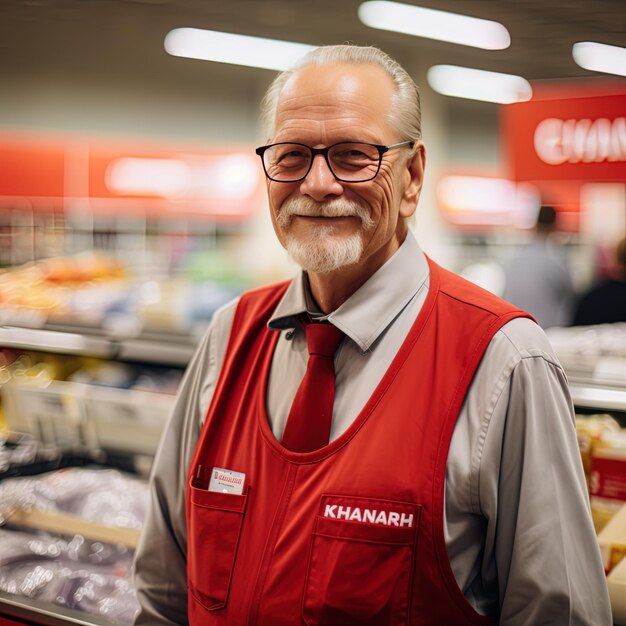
(333, 208)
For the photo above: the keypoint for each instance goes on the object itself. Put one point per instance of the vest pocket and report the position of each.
(215, 521)
(359, 574)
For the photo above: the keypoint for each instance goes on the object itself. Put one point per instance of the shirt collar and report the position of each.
(369, 310)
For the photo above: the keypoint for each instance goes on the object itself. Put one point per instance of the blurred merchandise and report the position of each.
(87, 419)
(617, 591)
(63, 410)
(17, 451)
(594, 354)
(602, 444)
(589, 430)
(107, 496)
(71, 569)
(72, 573)
(93, 288)
(607, 478)
(612, 539)
(61, 286)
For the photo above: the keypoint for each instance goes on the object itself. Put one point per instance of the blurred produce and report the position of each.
(95, 288)
(53, 285)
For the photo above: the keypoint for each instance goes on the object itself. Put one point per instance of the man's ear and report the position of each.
(413, 178)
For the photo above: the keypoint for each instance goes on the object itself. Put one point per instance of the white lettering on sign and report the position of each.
(372, 516)
(580, 141)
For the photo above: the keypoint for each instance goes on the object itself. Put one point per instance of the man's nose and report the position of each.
(320, 181)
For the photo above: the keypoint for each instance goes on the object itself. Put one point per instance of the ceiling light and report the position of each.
(432, 24)
(600, 57)
(211, 45)
(465, 82)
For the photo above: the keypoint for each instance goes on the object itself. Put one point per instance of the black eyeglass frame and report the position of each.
(324, 152)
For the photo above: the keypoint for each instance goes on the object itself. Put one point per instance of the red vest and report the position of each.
(351, 534)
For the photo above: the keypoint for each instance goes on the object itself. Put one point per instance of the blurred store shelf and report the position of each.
(170, 347)
(87, 417)
(599, 398)
(594, 359)
(26, 611)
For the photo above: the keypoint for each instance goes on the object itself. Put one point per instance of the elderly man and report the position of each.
(432, 475)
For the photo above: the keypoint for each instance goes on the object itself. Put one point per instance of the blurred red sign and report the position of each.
(221, 183)
(31, 168)
(577, 136)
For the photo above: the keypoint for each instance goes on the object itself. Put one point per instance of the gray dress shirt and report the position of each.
(517, 523)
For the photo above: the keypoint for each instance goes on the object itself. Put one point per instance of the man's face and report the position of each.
(326, 224)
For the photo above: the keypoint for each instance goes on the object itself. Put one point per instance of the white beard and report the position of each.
(322, 252)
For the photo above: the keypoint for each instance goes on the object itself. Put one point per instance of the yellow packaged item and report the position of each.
(607, 479)
(589, 429)
(612, 540)
(616, 583)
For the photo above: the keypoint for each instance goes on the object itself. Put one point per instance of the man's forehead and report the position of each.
(339, 90)
(326, 80)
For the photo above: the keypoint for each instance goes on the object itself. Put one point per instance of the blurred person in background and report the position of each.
(538, 279)
(432, 477)
(605, 303)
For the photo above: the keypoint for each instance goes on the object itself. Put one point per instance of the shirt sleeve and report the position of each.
(160, 558)
(532, 491)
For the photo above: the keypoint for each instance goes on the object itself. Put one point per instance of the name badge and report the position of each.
(226, 481)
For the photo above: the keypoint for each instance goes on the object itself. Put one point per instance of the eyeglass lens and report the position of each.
(348, 161)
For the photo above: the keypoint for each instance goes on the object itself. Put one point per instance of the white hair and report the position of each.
(405, 115)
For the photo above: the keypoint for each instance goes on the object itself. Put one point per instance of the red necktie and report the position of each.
(308, 424)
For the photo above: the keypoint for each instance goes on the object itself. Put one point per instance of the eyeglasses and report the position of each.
(349, 161)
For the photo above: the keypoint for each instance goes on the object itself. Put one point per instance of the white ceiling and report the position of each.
(124, 38)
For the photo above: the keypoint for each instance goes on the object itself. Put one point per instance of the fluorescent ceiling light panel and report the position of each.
(432, 24)
(211, 45)
(600, 57)
(465, 82)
